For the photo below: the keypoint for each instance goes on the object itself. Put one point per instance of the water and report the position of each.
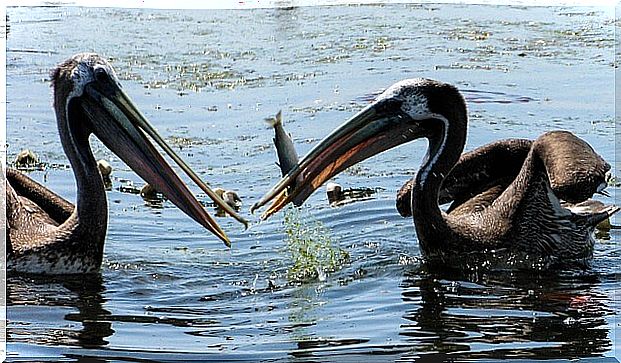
(206, 79)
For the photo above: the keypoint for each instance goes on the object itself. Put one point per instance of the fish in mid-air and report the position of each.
(287, 156)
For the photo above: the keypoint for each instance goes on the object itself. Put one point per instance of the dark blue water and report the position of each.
(207, 79)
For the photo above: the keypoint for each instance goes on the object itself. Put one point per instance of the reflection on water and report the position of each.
(206, 80)
(82, 296)
(516, 315)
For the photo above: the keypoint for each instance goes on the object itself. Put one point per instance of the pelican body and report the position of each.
(507, 195)
(46, 234)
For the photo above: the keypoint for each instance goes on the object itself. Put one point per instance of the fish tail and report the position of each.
(276, 120)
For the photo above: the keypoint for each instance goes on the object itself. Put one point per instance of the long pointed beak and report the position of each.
(369, 132)
(123, 129)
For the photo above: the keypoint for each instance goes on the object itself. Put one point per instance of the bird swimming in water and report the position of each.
(26, 158)
(337, 196)
(334, 192)
(229, 197)
(514, 212)
(150, 194)
(47, 234)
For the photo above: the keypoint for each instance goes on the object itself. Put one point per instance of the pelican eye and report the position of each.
(388, 106)
(101, 75)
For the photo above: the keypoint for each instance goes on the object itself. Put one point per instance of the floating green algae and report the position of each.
(613, 181)
(312, 249)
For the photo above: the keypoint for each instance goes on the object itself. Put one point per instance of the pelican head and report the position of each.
(408, 110)
(89, 99)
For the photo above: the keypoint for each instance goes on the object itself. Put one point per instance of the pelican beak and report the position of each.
(123, 129)
(376, 128)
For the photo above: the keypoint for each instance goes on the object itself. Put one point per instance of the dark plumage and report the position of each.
(505, 195)
(487, 170)
(492, 166)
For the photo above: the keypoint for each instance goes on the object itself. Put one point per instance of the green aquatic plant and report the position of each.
(613, 181)
(311, 247)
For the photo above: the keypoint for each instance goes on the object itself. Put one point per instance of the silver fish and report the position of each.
(287, 156)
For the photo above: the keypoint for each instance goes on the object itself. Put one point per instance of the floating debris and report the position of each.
(26, 159)
(229, 197)
(604, 225)
(127, 186)
(337, 196)
(105, 169)
(312, 250)
(612, 180)
(149, 193)
(591, 206)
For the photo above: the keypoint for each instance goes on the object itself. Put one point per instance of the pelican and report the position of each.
(334, 192)
(49, 235)
(104, 168)
(514, 211)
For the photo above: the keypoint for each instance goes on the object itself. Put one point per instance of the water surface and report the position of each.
(207, 79)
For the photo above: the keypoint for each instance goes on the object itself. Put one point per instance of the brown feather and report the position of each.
(575, 170)
(55, 206)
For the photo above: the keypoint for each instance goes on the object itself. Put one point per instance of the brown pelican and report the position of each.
(229, 197)
(334, 193)
(46, 233)
(521, 216)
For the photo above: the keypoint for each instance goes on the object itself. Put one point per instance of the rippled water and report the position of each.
(207, 79)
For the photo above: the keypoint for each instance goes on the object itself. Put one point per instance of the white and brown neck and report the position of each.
(447, 138)
(88, 223)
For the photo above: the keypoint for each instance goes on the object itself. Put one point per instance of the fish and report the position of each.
(287, 156)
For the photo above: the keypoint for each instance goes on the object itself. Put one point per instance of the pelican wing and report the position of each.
(492, 166)
(559, 166)
(575, 170)
(480, 201)
(56, 207)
